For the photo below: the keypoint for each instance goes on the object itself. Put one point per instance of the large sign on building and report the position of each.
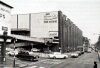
(50, 18)
(44, 25)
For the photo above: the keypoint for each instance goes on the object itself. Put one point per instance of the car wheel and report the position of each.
(65, 57)
(48, 56)
(37, 57)
(32, 59)
(54, 57)
(9, 54)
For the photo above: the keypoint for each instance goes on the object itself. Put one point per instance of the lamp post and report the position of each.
(3, 48)
(14, 53)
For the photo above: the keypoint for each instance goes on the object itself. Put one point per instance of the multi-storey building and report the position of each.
(58, 31)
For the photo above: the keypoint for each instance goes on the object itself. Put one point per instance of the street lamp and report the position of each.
(14, 52)
(3, 47)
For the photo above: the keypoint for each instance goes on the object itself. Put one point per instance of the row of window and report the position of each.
(54, 21)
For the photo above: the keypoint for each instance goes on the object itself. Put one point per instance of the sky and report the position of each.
(84, 13)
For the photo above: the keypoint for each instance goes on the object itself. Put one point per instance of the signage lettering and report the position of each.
(4, 28)
(50, 18)
(4, 10)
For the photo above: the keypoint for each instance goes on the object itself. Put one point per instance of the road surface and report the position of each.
(84, 61)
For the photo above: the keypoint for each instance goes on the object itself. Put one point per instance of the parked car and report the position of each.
(9, 49)
(78, 52)
(74, 55)
(11, 53)
(35, 50)
(57, 55)
(82, 52)
(26, 56)
(89, 50)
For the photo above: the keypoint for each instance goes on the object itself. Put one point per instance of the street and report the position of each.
(49, 34)
(84, 61)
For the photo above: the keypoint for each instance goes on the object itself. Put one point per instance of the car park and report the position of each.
(57, 55)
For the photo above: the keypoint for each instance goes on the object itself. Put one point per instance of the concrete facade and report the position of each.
(65, 35)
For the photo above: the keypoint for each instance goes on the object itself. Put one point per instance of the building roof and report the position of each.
(5, 4)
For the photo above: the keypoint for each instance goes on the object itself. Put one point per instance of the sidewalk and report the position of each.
(8, 64)
(98, 59)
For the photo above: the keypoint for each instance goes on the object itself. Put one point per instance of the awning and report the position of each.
(27, 38)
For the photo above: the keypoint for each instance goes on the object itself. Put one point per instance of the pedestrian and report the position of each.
(95, 64)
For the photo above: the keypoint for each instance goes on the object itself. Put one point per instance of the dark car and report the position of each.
(26, 56)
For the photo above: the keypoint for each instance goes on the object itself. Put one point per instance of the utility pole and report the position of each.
(3, 48)
(14, 53)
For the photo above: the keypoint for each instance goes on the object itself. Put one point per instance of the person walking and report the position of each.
(95, 64)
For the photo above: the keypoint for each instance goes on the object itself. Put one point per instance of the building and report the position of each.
(97, 44)
(58, 31)
(5, 30)
(86, 44)
(5, 15)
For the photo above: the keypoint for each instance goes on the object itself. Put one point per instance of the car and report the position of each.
(9, 49)
(74, 55)
(57, 55)
(88, 51)
(82, 52)
(32, 54)
(35, 50)
(78, 52)
(12, 53)
(26, 56)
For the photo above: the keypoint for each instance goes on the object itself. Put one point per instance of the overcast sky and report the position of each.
(84, 13)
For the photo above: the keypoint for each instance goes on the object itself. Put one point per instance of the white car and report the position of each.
(35, 49)
(57, 55)
(9, 49)
(11, 53)
(75, 55)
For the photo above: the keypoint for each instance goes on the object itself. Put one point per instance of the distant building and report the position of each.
(59, 32)
(86, 44)
(97, 45)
